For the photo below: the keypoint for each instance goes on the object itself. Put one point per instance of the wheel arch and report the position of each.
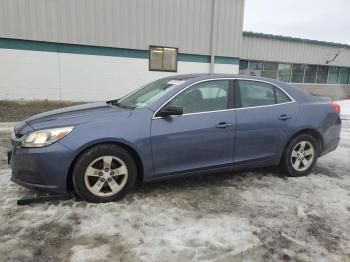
(130, 149)
(311, 131)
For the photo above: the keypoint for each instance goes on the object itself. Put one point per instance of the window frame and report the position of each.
(232, 96)
(163, 47)
(238, 98)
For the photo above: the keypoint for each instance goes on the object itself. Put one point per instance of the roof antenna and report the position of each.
(335, 56)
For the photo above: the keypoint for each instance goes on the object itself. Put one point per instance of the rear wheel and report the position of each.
(300, 155)
(104, 173)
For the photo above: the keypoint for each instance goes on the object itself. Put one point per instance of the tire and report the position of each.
(104, 173)
(294, 155)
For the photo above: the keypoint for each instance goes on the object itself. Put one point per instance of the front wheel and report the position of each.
(104, 173)
(300, 155)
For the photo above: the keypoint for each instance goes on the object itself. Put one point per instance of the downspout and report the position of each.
(213, 35)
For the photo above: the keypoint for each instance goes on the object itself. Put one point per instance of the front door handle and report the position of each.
(284, 117)
(223, 125)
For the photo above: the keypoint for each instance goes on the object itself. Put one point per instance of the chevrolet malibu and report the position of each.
(173, 127)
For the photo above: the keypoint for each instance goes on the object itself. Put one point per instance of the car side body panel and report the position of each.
(187, 144)
(261, 134)
(192, 142)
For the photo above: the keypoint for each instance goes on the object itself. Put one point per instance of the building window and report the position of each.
(298, 73)
(163, 59)
(322, 74)
(255, 65)
(243, 64)
(333, 75)
(283, 73)
(310, 74)
(269, 66)
(344, 75)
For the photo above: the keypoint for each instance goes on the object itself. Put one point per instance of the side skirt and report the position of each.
(190, 173)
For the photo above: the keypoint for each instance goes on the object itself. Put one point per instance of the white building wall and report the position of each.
(29, 75)
(78, 77)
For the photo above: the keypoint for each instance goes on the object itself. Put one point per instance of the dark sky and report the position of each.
(327, 20)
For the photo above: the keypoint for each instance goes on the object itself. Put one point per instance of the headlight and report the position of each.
(45, 137)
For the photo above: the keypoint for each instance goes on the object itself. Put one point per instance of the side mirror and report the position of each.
(170, 111)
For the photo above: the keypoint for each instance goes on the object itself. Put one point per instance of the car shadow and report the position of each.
(234, 179)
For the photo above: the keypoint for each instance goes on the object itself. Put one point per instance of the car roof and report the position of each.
(293, 91)
(215, 76)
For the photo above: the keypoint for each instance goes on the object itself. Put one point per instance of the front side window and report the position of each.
(203, 97)
(254, 94)
(163, 59)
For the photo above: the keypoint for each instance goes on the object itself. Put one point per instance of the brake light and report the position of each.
(336, 107)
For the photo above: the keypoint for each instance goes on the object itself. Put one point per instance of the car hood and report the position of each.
(72, 115)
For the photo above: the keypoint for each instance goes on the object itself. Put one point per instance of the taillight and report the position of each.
(336, 107)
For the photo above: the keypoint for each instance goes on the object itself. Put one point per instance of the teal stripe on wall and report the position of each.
(226, 60)
(28, 45)
(103, 51)
(194, 58)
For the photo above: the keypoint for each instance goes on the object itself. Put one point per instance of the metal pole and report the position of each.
(213, 35)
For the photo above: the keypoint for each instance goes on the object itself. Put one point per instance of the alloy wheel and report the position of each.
(106, 176)
(302, 155)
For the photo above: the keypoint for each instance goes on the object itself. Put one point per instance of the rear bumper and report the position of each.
(331, 146)
(43, 169)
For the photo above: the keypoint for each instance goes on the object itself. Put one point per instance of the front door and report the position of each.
(202, 137)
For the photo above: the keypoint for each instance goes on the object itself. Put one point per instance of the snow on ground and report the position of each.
(344, 108)
(247, 216)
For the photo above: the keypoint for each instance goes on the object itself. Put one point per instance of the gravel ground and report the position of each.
(247, 216)
(16, 111)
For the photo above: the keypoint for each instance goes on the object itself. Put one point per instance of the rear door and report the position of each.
(203, 137)
(265, 114)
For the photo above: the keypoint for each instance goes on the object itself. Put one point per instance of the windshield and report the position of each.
(148, 94)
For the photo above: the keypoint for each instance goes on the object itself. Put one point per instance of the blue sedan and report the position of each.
(173, 127)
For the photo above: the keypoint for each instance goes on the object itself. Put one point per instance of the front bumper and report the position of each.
(43, 169)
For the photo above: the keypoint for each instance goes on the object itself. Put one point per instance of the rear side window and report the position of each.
(254, 93)
(281, 97)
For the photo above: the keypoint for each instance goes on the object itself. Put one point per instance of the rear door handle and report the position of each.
(284, 117)
(223, 125)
